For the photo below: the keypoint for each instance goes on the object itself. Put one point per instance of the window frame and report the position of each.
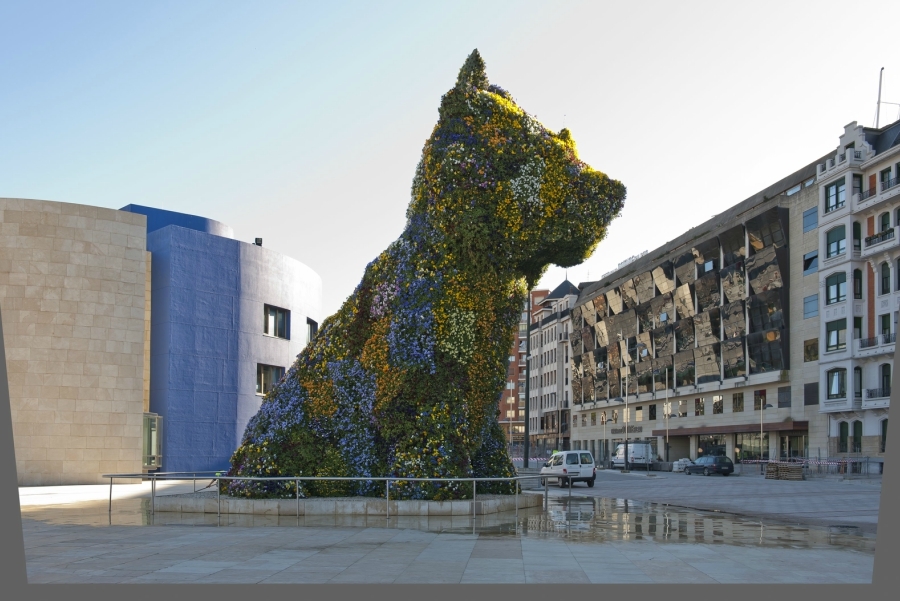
(811, 306)
(885, 273)
(812, 258)
(838, 246)
(810, 219)
(273, 312)
(839, 189)
(260, 380)
(836, 379)
(836, 283)
(833, 326)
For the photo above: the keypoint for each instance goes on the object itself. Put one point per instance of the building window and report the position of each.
(759, 399)
(884, 220)
(312, 328)
(267, 376)
(857, 283)
(836, 240)
(885, 278)
(837, 383)
(885, 379)
(784, 396)
(844, 433)
(836, 335)
(811, 306)
(275, 321)
(883, 434)
(857, 328)
(792, 190)
(737, 402)
(652, 413)
(835, 195)
(857, 236)
(810, 262)
(885, 179)
(811, 393)
(152, 444)
(857, 382)
(810, 219)
(811, 350)
(857, 436)
(682, 408)
(836, 288)
(698, 407)
(718, 405)
(885, 324)
(593, 419)
(638, 414)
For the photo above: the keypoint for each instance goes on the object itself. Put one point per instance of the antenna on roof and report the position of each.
(878, 106)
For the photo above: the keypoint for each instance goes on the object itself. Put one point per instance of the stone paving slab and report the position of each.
(375, 555)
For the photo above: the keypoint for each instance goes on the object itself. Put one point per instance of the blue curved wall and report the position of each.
(207, 338)
(159, 218)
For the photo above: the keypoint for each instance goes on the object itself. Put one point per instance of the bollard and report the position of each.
(516, 482)
(387, 499)
(218, 498)
(545, 494)
(110, 495)
(153, 494)
(473, 498)
(297, 488)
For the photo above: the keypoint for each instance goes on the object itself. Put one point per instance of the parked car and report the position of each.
(568, 467)
(710, 465)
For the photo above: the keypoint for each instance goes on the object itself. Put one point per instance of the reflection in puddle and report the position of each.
(587, 519)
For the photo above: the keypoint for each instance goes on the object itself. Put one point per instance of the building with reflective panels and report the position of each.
(715, 322)
(858, 212)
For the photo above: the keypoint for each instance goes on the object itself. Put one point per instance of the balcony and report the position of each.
(841, 160)
(877, 345)
(879, 242)
(884, 191)
(878, 393)
(877, 398)
(838, 403)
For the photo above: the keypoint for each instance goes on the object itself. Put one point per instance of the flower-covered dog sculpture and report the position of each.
(404, 380)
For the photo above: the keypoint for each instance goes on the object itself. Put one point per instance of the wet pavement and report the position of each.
(582, 538)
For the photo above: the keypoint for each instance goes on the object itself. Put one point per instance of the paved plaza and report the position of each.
(626, 529)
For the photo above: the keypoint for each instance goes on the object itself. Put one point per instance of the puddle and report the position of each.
(585, 519)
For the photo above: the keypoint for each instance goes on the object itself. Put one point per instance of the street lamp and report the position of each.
(762, 406)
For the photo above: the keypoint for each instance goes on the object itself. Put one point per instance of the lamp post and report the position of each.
(668, 410)
(605, 444)
(762, 406)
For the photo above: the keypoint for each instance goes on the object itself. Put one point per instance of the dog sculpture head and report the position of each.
(503, 187)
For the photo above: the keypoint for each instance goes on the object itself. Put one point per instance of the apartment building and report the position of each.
(859, 198)
(512, 400)
(548, 369)
(704, 342)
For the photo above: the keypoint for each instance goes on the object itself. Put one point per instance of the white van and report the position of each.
(639, 454)
(568, 467)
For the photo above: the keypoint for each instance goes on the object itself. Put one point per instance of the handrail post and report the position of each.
(516, 483)
(110, 494)
(153, 493)
(387, 498)
(218, 498)
(297, 489)
(473, 498)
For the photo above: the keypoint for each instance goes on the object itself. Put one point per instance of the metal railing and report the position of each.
(879, 238)
(878, 393)
(887, 185)
(889, 338)
(218, 478)
(868, 342)
(866, 194)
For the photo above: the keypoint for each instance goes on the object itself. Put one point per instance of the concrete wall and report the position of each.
(207, 337)
(72, 290)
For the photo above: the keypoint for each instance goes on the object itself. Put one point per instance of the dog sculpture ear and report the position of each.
(472, 74)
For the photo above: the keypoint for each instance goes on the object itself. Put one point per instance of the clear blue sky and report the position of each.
(302, 122)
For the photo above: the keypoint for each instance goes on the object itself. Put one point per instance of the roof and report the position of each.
(562, 290)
